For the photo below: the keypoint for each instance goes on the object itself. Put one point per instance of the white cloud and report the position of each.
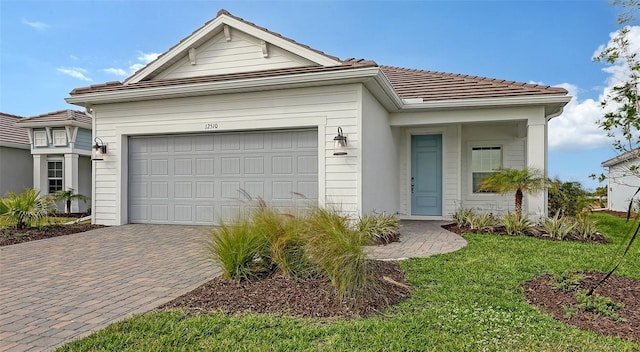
(147, 57)
(75, 72)
(577, 128)
(115, 71)
(41, 26)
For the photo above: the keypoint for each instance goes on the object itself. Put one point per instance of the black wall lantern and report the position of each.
(99, 148)
(340, 143)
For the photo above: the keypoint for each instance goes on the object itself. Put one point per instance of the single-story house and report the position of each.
(60, 153)
(235, 112)
(623, 179)
(16, 167)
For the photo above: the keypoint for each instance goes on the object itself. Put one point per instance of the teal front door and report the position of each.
(426, 175)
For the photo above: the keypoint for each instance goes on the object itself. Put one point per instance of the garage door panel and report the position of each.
(208, 178)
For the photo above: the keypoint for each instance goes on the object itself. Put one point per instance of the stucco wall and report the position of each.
(326, 108)
(622, 185)
(16, 170)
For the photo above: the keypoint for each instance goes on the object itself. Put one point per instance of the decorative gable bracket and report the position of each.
(192, 56)
(227, 32)
(265, 48)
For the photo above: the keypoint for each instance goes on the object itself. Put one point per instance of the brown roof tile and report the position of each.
(11, 133)
(58, 116)
(431, 86)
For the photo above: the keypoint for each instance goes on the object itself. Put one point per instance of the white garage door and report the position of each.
(205, 178)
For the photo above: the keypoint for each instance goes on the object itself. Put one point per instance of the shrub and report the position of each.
(461, 217)
(600, 305)
(515, 223)
(558, 227)
(481, 221)
(338, 250)
(585, 227)
(236, 248)
(284, 242)
(567, 198)
(379, 228)
(26, 209)
(567, 282)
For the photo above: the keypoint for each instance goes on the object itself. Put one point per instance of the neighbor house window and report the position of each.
(54, 173)
(59, 137)
(484, 161)
(40, 139)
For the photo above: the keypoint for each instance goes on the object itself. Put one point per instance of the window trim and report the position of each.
(51, 178)
(40, 135)
(56, 133)
(472, 171)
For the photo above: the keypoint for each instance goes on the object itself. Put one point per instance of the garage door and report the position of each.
(206, 178)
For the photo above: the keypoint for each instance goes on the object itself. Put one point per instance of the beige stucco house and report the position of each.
(235, 111)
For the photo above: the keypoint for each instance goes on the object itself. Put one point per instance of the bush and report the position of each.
(236, 248)
(567, 198)
(379, 228)
(585, 226)
(600, 305)
(461, 217)
(26, 209)
(284, 242)
(515, 224)
(339, 251)
(481, 221)
(558, 227)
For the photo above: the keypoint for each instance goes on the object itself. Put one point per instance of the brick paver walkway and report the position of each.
(59, 289)
(56, 290)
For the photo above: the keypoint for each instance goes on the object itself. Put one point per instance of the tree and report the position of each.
(520, 181)
(67, 196)
(622, 121)
(567, 198)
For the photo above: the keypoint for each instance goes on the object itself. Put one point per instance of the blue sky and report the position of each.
(47, 48)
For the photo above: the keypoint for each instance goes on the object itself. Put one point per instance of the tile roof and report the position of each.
(408, 83)
(9, 132)
(431, 86)
(60, 116)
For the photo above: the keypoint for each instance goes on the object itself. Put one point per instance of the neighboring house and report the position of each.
(16, 167)
(61, 151)
(235, 110)
(623, 180)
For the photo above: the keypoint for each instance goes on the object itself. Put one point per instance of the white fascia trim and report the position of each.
(15, 145)
(54, 124)
(487, 102)
(251, 84)
(195, 38)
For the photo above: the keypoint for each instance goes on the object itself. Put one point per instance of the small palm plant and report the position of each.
(67, 196)
(25, 209)
(520, 181)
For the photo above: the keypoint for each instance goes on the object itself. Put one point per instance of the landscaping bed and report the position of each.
(533, 232)
(563, 304)
(309, 298)
(9, 235)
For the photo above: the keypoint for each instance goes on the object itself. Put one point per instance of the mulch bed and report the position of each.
(535, 232)
(9, 236)
(541, 293)
(309, 298)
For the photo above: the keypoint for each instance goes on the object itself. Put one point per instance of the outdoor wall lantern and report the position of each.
(99, 149)
(340, 143)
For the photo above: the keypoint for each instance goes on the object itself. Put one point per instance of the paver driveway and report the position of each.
(58, 289)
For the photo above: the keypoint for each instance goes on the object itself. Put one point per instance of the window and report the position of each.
(54, 173)
(40, 139)
(59, 137)
(484, 161)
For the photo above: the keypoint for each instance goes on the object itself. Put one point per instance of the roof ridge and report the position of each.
(11, 115)
(70, 114)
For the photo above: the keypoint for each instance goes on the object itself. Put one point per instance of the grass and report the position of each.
(469, 300)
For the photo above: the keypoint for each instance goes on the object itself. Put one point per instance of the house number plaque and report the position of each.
(210, 126)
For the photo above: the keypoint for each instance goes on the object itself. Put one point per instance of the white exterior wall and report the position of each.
(622, 185)
(379, 155)
(326, 108)
(84, 182)
(513, 156)
(16, 170)
(243, 53)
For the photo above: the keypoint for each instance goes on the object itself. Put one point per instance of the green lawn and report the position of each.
(469, 300)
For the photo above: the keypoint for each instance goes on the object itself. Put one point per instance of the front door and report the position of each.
(426, 175)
